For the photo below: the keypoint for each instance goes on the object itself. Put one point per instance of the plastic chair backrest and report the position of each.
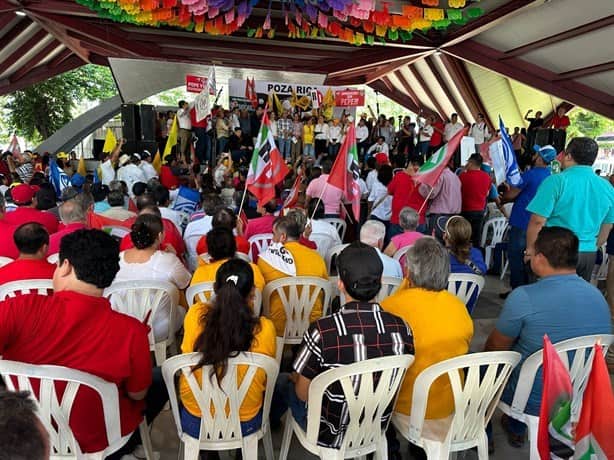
(498, 226)
(477, 381)
(203, 292)
(223, 426)
(298, 295)
(464, 285)
(5, 260)
(339, 224)
(600, 272)
(54, 410)
(116, 231)
(54, 258)
(142, 299)
(580, 351)
(258, 244)
(508, 208)
(331, 257)
(324, 243)
(366, 400)
(12, 289)
(390, 285)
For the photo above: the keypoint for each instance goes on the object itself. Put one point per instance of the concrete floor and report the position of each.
(164, 432)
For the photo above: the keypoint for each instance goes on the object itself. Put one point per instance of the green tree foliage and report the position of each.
(41, 109)
(589, 124)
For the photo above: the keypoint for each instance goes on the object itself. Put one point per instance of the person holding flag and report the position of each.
(560, 304)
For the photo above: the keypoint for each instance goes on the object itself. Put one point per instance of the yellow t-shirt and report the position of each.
(206, 273)
(263, 343)
(308, 134)
(442, 329)
(308, 263)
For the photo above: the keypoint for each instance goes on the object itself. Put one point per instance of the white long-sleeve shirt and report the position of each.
(334, 134)
(362, 133)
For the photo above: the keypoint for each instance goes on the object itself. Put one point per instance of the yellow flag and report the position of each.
(81, 168)
(329, 98)
(109, 141)
(280, 108)
(172, 138)
(294, 99)
(157, 162)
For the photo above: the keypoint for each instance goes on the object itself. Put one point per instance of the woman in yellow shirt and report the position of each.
(219, 330)
(308, 142)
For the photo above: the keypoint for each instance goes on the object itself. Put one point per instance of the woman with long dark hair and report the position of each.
(221, 330)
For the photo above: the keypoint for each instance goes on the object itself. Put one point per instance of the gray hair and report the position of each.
(72, 211)
(373, 233)
(299, 217)
(408, 218)
(428, 264)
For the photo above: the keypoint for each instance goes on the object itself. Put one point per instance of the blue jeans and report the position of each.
(222, 142)
(285, 398)
(284, 147)
(333, 149)
(515, 253)
(191, 424)
(308, 150)
(423, 148)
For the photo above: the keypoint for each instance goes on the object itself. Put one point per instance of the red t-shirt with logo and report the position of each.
(475, 185)
(83, 333)
(23, 215)
(26, 269)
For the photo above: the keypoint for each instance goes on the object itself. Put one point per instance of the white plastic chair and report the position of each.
(12, 289)
(332, 255)
(582, 348)
(260, 243)
(339, 224)
(54, 258)
(464, 285)
(477, 381)
(116, 231)
(5, 260)
(142, 299)
(222, 430)
(600, 272)
(324, 243)
(203, 292)
(366, 408)
(298, 295)
(497, 226)
(399, 254)
(54, 411)
(390, 285)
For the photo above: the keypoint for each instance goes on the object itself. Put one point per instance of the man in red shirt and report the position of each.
(560, 120)
(202, 149)
(32, 241)
(73, 214)
(437, 137)
(475, 185)
(77, 328)
(7, 246)
(405, 192)
(170, 172)
(23, 196)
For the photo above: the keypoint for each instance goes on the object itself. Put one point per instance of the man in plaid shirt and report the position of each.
(285, 127)
(359, 330)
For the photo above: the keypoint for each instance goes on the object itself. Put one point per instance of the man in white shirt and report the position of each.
(145, 164)
(107, 167)
(323, 234)
(362, 138)
(452, 127)
(373, 233)
(480, 132)
(380, 146)
(334, 138)
(184, 123)
(129, 172)
(199, 227)
(424, 137)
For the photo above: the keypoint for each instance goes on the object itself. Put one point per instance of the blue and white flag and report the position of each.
(58, 178)
(187, 200)
(504, 159)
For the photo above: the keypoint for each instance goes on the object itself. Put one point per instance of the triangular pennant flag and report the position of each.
(430, 171)
(157, 162)
(171, 141)
(81, 169)
(109, 141)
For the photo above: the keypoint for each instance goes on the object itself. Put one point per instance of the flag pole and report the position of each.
(425, 201)
(242, 200)
(319, 200)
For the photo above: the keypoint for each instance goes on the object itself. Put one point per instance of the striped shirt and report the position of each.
(359, 331)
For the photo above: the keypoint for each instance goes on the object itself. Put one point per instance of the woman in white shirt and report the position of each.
(424, 138)
(147, 262)
(480, 132)
(335, 136)
(380, 203)
(321, 137)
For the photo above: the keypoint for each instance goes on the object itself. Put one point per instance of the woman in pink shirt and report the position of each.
(408, 220)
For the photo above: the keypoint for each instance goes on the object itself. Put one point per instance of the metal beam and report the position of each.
(427, 90)
(40, 73)
(444, 87)
(396, 96)
(19, 52)
(34, 61)
(586, 71)
(16, 30)
(562, 36)
(61, 36)
(534, 76)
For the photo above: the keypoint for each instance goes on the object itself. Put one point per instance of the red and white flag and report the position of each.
(430, 171)
(14, 147)
(345, 171)
(250, 91)
(292, 197)
(267, 167)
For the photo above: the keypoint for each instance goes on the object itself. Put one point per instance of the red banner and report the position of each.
(194, 83)
(350, 98)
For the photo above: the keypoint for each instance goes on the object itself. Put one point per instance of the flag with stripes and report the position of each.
(346, 171)
(504, 159)
(267, 167)
(58, 178)
(187, 200)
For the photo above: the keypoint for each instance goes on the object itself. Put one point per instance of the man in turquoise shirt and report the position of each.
(576, 199)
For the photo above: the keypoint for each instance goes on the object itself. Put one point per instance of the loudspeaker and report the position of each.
(98, 145)
(559, 137)
(150, 146)
(131, 130)
(542, 137)
(148, 122)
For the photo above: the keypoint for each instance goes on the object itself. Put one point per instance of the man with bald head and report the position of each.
(73, 214)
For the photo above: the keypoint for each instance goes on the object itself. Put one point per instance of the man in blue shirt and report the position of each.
(519, 219)
(576, 199)
(560, 304)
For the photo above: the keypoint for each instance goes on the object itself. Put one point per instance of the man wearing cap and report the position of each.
(32, 241)
(145, 164)
(360, 330)
(129, 171)
(519, 218)
(23, 197)
(575, 199)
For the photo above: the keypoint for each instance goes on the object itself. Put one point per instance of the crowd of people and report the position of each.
(407, 230)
